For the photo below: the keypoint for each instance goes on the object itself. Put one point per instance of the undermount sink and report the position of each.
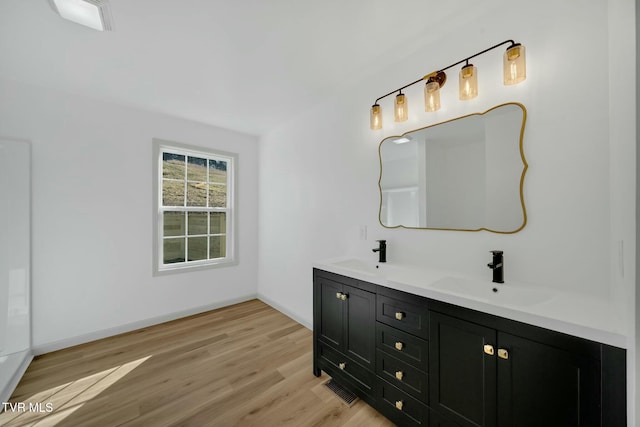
(497, 293)
(359, 265)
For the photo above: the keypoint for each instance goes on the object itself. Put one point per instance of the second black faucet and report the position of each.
(382, 250)
(497, 266)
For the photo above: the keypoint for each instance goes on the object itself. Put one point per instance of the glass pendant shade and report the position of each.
(401, 110)
(431, 96)
(468, 82)
(515, 64)
(376, 117)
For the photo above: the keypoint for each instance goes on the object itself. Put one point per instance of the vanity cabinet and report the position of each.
(485, 377)
(422, 362)
(344, 332)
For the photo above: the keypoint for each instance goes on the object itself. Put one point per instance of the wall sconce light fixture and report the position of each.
(514, 71)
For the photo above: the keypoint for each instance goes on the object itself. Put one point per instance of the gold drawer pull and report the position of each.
(399, 405)
(399, 346)
(399, 315)
(399, 375)
(342, 365)
(503, 353)
(488, 348)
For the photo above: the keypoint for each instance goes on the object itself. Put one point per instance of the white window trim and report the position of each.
(159, 269)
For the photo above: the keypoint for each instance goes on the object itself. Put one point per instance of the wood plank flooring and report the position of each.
(243, 365)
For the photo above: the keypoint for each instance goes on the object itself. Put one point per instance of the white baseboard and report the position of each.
(284, 311)
(104, 333)
(19, 367)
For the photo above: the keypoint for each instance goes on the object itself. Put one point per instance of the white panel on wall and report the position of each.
(15, 262)
(15, 241)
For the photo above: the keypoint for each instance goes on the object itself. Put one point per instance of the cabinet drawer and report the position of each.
(401, 408)
(402, 375)
(340, 367)
(411, 318)
(404, 346)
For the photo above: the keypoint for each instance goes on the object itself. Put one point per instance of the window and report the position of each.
(194, 207)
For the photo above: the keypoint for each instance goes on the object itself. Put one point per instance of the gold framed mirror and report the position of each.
(465, 174)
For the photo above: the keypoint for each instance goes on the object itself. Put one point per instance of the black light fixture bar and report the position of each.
(426, 77)
(480, 53)
(399, 90)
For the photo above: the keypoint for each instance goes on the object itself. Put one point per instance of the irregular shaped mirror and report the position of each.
(463, 174)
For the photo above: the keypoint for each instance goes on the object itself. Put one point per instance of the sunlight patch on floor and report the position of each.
(68, 398)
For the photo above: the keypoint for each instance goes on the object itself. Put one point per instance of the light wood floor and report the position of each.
(244, 365)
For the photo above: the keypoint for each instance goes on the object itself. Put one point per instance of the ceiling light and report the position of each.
(90, 13)
(402, 140)
(514, 67)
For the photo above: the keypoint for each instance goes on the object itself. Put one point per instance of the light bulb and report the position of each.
(514, 64)
(401, 109)
(431, 96)
(376, 117)
(468, 82)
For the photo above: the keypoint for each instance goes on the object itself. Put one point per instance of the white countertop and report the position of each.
(571, 313)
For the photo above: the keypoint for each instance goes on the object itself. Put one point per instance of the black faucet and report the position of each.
(382, 249)
(497, 266)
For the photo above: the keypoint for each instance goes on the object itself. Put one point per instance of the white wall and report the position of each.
(623, 116)
(318, 173)
(92, 215)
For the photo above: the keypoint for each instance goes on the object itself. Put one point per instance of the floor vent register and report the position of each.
(346, 396)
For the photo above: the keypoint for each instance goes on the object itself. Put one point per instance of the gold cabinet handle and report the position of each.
(343, 297)
(488, 349)
(399, 315)
(399, 405)
(342, 365)
(399, 346)
(503, 353)
(339, 295)
(399, 375)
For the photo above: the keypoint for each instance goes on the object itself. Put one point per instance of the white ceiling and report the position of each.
(246, 65)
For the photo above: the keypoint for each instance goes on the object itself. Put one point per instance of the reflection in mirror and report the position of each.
(464, 174)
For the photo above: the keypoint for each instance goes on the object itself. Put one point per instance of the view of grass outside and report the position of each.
(200, 183)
